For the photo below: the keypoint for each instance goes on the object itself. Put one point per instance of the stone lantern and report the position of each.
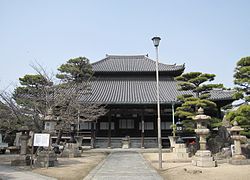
(202, 157)
(24, 139)
(23, 159)
(235, 135)
(180, 151)
(179, 131)
(49, 122)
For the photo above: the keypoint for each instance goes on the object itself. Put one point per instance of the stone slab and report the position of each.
(239, 162)
(204, 163)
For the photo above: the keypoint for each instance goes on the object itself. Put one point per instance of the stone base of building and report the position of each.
(21, 160)
(71, 150)
(180, 151)
(203, 159)
(46, 159)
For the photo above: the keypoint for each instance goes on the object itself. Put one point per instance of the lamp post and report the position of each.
(156, 41)
(173, 123)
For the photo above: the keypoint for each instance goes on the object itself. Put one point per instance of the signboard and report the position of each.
(41, 139)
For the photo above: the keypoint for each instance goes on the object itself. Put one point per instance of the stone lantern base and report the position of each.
(21, 160)
(203, 158)
(46, 159)
(238, 157)
(71, 150)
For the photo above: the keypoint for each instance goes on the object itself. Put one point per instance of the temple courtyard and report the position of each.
(124, 164)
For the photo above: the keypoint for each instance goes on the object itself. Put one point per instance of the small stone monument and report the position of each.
(71, 148)
(203, 156)
(126, 142)
(23, 159)
(237, 155)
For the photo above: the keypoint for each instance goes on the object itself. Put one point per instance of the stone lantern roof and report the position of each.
(236, 128)
(49, 116)
(201, 115)
(23, 128)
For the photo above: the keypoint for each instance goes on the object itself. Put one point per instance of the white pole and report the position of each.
(173, 118)
(158, 111)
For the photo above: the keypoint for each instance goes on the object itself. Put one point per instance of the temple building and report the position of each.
(127, 86)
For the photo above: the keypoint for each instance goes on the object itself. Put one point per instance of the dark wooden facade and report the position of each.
(127, 86)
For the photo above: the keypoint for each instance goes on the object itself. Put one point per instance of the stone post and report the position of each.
(202, 157)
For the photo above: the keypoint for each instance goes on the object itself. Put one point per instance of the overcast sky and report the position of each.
(207, 35)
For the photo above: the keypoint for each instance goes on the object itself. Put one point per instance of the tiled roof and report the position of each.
(133, 63)
(139, 91)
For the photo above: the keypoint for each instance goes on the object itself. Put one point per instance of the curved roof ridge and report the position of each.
(126, 55)
(173, 65)
(117, 55)
(132, 63)
(97, 62)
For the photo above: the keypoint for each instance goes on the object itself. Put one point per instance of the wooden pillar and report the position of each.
(142, 129)
(92, 135)
(109, 131)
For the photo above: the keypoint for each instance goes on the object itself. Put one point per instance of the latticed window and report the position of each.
(126, 124)
(105, 125)
(166, 125)
(147, 126)
(85, 126)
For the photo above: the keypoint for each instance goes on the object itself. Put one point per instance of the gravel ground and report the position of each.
(185, 171)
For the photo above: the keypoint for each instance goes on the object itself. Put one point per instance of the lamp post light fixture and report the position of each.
(156, 41)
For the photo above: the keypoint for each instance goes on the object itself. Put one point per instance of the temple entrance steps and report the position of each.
(117, 142)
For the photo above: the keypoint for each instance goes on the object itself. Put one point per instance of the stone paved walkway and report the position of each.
(125, 165)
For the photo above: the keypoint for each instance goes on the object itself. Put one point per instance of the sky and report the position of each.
(207, 35)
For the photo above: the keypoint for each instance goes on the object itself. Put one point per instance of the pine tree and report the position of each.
(242, 82)
(33, 97)
(242, 79)
(197, 94)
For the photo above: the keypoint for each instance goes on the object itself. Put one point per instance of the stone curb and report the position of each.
(147, 163)
(94, 171)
